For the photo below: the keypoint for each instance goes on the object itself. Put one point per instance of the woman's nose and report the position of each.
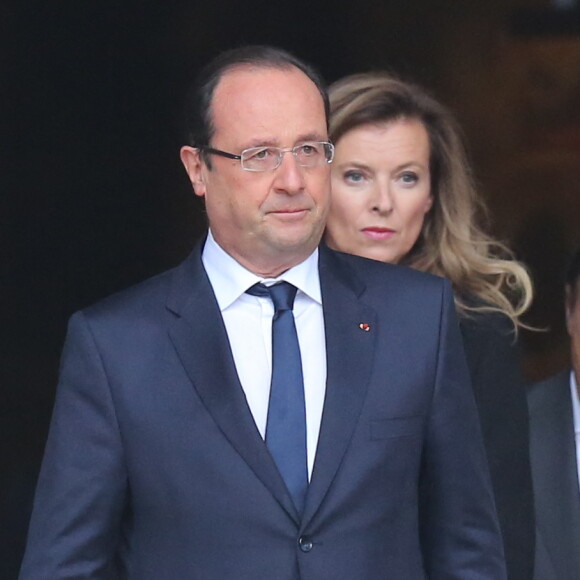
(382, 200)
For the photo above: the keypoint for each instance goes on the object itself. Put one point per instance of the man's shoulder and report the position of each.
(376, 272)
(144, 299)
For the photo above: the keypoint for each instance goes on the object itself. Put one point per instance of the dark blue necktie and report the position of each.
(286, 425)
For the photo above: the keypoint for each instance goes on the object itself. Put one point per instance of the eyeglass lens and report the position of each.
(267, 158)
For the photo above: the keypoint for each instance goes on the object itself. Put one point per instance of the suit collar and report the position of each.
(200, 339)
(350, 353)
(553, 459)
(575, 402)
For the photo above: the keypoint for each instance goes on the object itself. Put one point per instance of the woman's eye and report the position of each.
(409, 178)
(353, 176)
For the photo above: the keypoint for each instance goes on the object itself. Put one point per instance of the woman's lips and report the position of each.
(378, 233)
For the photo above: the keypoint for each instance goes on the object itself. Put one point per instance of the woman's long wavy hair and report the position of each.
(484, 274)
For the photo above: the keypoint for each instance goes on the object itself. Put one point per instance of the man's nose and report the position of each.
(289, 175)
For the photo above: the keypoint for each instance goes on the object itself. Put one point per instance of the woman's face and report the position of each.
(381, 190)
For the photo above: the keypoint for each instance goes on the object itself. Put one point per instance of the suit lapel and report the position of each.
(349, 353)
(200, 339)
(557, 495)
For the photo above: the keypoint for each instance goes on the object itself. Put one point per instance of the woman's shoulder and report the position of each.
(478, 320)
(489, 337)
(493, 356)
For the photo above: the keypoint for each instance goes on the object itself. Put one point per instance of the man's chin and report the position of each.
(300, 238)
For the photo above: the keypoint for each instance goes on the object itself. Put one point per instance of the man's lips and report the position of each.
(288, 210)
(376, 233)
(289, 213)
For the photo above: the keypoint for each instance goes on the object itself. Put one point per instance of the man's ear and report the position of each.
(193, 163)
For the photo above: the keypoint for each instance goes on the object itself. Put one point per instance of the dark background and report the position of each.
(93, 197)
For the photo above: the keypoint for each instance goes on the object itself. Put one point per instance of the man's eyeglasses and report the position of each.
(308, 154)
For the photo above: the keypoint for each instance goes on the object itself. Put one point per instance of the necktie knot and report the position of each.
(282, 294)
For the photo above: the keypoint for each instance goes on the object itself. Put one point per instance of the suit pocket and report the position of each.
(395, 427)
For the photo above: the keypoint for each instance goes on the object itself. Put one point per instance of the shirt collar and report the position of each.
(575, 402)
(229, 279)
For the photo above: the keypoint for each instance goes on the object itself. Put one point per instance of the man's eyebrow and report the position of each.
(276, 143)
(261, 143)
(312, 137)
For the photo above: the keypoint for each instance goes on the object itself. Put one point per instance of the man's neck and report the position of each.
(269, 266)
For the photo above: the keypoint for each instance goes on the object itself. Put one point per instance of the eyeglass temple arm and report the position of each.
(221, 153)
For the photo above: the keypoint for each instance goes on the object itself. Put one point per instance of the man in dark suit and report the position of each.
(175, 451)
(554, 455)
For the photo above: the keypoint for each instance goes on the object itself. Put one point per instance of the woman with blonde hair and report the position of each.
(402, 192)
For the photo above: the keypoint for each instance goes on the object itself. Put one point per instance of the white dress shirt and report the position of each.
(248, 322)
(576, 413)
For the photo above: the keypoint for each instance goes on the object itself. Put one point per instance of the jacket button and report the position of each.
(305, 544)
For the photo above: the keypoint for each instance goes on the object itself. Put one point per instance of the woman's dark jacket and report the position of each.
(494, 363)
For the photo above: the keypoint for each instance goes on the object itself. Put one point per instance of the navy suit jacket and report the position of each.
(555, 478)
(154, 468)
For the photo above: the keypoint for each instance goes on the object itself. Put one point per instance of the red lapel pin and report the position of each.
(364, 326)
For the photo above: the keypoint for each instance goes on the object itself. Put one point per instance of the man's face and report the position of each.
(573, 325)
(268, 221)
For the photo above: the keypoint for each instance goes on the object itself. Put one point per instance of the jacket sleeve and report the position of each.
(75, 525)
(460, 534)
